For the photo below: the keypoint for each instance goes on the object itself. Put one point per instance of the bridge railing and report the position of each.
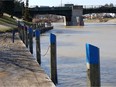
(95, 6)
(92, 6)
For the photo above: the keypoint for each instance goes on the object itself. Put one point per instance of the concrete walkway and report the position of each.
(18, 68)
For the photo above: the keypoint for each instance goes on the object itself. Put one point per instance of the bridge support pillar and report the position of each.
(68, 21)
(76, 18)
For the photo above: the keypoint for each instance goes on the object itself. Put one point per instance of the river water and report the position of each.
(71, 53)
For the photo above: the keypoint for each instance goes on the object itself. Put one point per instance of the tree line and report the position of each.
(10, 6)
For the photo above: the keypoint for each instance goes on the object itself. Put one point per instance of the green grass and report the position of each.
(9, 29)
(8, 23)
(7, 20)
(3, 30)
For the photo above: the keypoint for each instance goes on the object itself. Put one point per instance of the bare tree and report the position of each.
(1, 11)
(111, 5)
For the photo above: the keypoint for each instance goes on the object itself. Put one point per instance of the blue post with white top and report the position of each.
(93, 66)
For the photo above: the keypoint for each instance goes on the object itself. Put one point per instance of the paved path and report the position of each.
(18, 68)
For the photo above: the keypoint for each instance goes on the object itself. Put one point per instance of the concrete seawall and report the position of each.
(18, 68)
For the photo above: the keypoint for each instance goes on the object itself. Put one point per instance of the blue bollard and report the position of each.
(52, 38)
(93, 66)
(13, 35)
(31, 40)
(92, 53)
(38, 48)
(26, 36)
(53, 59)
(37, 33)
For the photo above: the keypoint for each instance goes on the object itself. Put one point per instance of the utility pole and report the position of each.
(27, 3)
(26, 14)
(61, 3)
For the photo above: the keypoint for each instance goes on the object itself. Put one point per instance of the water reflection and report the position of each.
(71, 53)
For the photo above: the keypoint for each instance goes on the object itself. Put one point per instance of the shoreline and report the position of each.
(15, 59)
(102, 21)
(9, 28)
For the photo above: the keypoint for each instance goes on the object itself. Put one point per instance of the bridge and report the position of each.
(99, 9)
(73, 14)
(63, 11)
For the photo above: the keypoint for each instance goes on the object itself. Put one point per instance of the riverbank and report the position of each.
(7, 24)
(5, 28)
(71, 53)
(18, 67)
(109, 20)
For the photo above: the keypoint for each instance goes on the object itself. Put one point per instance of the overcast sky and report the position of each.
(76, 2)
